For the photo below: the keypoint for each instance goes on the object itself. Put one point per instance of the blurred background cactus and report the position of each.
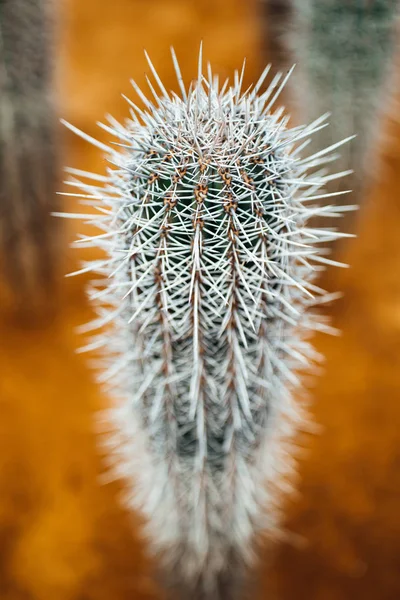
(29, 236)
(344, 51)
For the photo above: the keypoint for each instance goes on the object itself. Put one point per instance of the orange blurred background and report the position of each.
(63, 534)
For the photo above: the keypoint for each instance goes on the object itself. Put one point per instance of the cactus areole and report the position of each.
(204, 312)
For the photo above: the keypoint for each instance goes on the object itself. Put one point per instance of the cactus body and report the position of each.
(210, 265)
(344, 52)
(278, 21)
(28, 149)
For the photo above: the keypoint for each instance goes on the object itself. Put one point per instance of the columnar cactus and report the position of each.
(28, 150)
(203, 215)
(344, 52)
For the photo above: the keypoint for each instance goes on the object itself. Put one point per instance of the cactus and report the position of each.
(344, 50)
(277, 18)
(28, 150)
(204, 315)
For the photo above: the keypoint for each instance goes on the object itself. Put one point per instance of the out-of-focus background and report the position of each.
(63, 534)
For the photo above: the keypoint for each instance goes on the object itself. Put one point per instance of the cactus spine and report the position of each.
(210, 265)
(28, 149)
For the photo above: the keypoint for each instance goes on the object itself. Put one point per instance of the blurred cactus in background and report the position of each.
(278, 21)
(207, 309)
(343, 50)
(28, 151)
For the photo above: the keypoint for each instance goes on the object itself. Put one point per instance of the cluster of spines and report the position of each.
(210, 276)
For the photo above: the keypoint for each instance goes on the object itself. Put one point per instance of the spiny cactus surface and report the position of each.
(203, 215)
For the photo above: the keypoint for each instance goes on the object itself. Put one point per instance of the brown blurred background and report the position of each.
(63, 535)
